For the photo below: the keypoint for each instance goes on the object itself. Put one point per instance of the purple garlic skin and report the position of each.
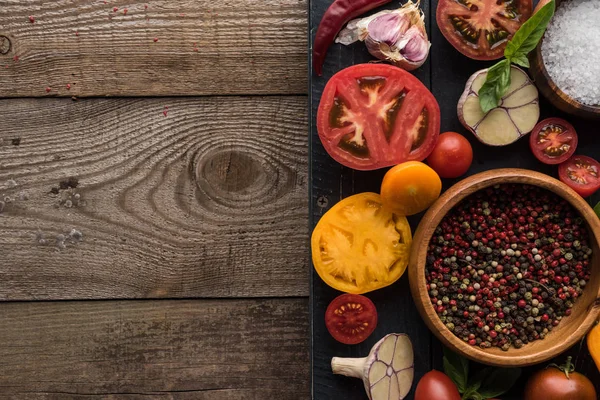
(397, 36)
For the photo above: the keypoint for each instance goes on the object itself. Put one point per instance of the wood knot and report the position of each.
(5, 45)
(230, 171)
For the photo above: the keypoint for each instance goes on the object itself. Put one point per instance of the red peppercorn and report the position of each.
(522, 303)
(558, 279)
(500, 315)
(535, 290)
(493, 334)
(472, 342)
(545, 317)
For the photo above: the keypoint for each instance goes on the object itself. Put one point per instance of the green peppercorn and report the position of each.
(535, 311)
(528, 296)
(568, 256)
(450, 326)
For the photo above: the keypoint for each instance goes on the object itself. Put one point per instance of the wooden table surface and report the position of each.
(154, 188)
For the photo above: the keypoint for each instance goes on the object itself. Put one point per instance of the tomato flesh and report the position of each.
(376, 115)
(351, 318)
(553, 141)
(480, 29)
(581, 173)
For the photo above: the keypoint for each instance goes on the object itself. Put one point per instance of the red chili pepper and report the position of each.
(334, 19)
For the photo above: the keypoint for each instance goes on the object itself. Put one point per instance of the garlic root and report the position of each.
(514, 118)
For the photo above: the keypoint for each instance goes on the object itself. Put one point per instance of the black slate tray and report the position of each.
(445, 74)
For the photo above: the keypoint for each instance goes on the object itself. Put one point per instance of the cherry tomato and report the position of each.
(553, 141)
(480, 29)
(376, 115)
(552, 384)
(351, 318)
(452, 155)
(581, 174)
(436, 385)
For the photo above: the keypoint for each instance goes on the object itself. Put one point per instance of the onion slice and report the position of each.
(516, 115)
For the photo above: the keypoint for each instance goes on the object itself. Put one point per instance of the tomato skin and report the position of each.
(572, 165)
(552, 384)
(359, 311)
(374, 116)
(452, 155)
(436, 385)
(481, 13)
(568, 137)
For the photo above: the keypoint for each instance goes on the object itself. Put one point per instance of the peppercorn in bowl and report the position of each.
(506, 267)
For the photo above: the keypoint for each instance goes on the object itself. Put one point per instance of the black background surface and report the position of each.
(445, 74)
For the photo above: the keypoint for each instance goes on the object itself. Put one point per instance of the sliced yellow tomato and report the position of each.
(359, 246)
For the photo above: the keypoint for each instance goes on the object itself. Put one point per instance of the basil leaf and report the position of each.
(477, 379)
(496, 84)
(597, 209)
(530, 33)
(457, 368)
(499, 382)
(520, 60)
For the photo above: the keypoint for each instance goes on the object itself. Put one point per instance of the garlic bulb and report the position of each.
(397, 36)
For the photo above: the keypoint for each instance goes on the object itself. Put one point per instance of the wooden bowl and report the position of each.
(570, 330)
(553, 93)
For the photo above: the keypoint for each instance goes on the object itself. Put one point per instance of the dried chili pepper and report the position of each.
(336, 16)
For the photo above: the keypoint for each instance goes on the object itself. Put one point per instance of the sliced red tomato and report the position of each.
(480, 29)
(351, 318)
(553, 141)
(581, 173)
(376, 115)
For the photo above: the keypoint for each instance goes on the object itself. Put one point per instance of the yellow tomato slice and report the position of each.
(359, 246)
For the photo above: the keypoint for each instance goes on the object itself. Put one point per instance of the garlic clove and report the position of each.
(413, 45)
(388, 28)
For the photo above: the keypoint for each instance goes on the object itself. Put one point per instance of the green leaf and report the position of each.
(496, 83)
(597, 209)
(520, 60)
(530, 33)
(498, 382)
(457, 368)
(477, 379)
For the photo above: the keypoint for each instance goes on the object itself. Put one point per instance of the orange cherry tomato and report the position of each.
(410, 188)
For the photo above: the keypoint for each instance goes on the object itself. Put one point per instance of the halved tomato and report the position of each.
(553, 140)
(351, 318)
(377, 115)
(581, 173)
(480, 29)
(359, 246)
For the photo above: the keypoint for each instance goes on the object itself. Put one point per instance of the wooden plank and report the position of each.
(170, 47)
(182, 349)
(207, 201)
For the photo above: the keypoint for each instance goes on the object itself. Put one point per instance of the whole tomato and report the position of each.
(559, 383)
(436, 385)
(452, 155)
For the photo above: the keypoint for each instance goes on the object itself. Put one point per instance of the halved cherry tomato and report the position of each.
(410, 188)
(376, 115)
(581, 173)
(359, 246)
(351, 318)
(553, 141)
(480, 29)
(452, 155)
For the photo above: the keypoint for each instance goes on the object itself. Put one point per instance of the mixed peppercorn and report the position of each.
(506, 264)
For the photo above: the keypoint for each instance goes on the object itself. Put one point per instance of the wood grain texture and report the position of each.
(182, 349)
(207, 201)
(572, 329)
(201, 48)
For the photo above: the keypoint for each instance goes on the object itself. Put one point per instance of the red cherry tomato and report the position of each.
(581, 173)
(553, 141)
(452, 155)
(436, 385)
(376, 115)
(480, 29)
(351, 318)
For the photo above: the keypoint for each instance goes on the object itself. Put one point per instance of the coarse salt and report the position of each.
(571, 50)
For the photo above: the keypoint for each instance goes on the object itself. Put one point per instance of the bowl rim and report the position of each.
(418, 255)
(555, 88)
